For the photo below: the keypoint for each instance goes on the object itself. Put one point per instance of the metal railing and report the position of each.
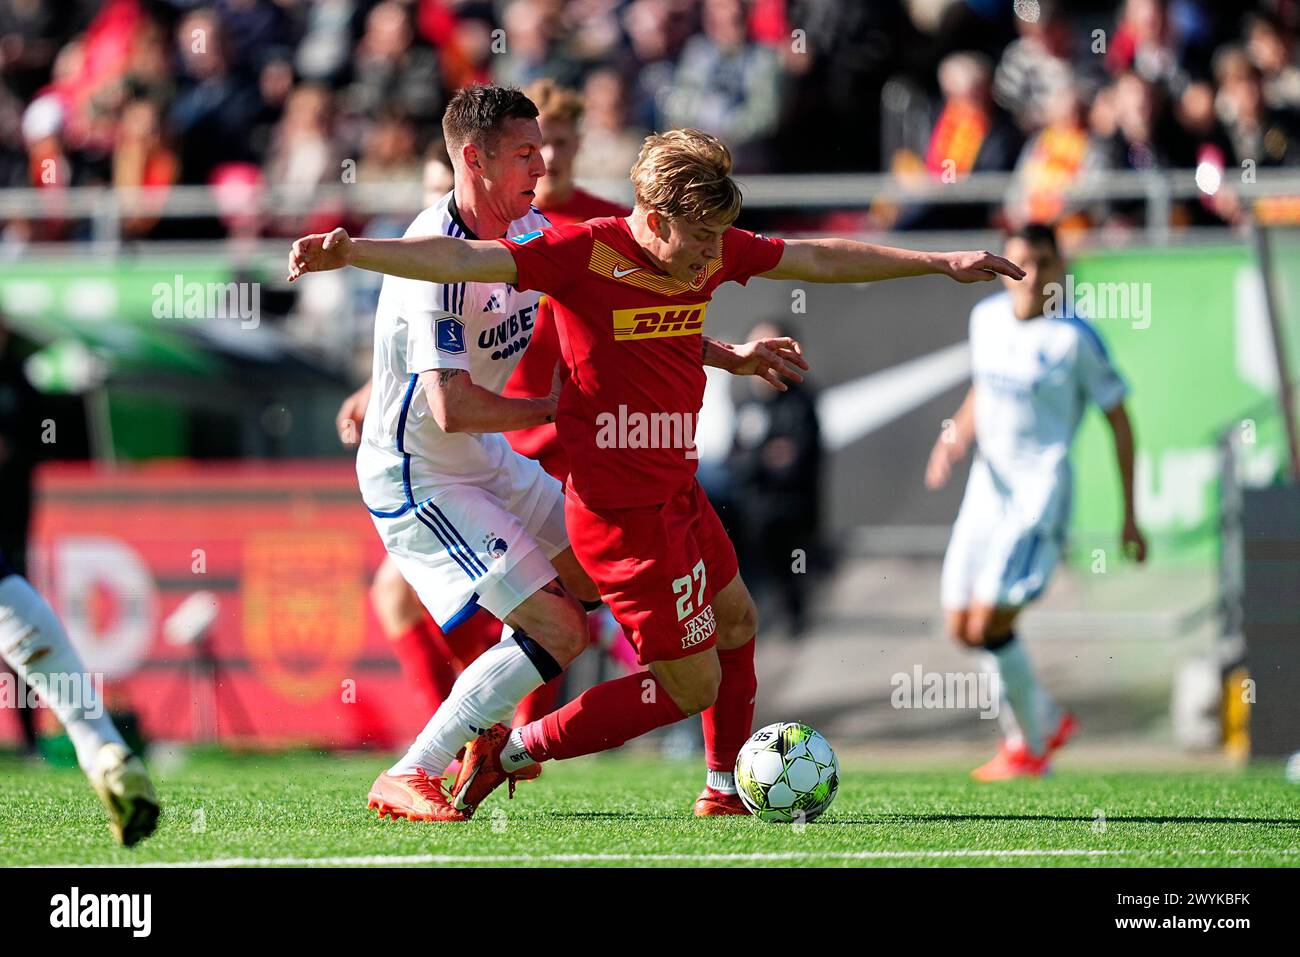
(105, 208)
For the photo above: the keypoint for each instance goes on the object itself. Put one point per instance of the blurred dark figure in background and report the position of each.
(18, 438)
(775, 465)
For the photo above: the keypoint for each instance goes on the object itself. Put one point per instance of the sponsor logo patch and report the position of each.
(658, 323)
(700, 628)
(449, 334)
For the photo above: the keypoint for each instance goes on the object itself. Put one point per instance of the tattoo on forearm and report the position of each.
(446, 375)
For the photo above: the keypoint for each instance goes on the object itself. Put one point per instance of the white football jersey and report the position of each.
(1032, 380)
(420, 326)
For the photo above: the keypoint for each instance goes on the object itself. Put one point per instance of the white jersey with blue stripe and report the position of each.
(480, 327)
(1032, 381)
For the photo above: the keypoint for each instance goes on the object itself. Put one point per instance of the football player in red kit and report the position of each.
(630, 298)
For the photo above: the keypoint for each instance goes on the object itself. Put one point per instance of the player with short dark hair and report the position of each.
(1034, 368)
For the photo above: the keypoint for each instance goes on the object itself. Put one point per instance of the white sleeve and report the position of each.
(1098, 376)
(434, 315)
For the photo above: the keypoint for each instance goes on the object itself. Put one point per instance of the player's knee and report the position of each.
(739, 628)
(699, 694)
(396, 605)
(975, 631)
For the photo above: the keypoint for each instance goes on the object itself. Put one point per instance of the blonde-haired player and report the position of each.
(630, 297)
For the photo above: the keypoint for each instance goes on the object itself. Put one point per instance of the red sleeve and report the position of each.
(549, 259)
(747, 254)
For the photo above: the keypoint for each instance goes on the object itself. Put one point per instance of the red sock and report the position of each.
(538, 704)
(426, 662)
(728, 723)
(601, 718)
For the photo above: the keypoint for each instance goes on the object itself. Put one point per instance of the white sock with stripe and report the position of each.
(1020, 689)
(35, 645)
(487, 692)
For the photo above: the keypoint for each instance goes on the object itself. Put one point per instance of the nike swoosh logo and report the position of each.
(620, 273)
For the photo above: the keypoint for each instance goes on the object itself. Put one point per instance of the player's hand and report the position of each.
(319, 252)
(351, 415)
(773, 360)
(980, 266)
(938, 470)
(1135, 543)
(557, 381)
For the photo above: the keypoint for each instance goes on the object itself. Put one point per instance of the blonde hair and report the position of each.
(555, 102)
(686, 173)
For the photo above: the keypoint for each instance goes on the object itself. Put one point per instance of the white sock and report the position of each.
(724, 782)
(35, 645)
(487, 692)
(1020, 692)
(514, 755)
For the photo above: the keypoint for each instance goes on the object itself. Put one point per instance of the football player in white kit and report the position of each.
(468, 521)
(1032, 375)
(35, 645)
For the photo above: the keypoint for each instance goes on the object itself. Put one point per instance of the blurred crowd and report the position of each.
(296, 94)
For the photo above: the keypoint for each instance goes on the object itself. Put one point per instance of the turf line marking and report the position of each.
(386, 860)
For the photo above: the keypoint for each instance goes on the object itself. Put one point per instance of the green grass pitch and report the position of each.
(306, 808)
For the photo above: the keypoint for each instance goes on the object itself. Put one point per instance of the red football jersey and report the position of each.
(581, 206)
(532, 377)
(631, 339)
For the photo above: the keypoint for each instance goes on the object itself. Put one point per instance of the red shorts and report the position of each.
(657, 567)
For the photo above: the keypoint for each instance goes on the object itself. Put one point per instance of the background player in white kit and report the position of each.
(1032, 375)
(35, 645)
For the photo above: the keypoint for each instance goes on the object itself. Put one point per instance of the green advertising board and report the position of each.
(1199, 363)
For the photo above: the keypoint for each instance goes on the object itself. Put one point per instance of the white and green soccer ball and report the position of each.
(787, 772)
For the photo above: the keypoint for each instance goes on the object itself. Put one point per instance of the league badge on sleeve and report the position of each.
(450, 335)
(526, 237)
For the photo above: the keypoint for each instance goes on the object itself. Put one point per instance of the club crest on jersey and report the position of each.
(494, 545)
(449, 334)
(658, 323)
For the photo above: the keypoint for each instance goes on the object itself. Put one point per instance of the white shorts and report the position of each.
(996, 555)
(487, 546)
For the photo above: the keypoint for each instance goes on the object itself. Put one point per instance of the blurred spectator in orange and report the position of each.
(142, 159)
(1052, 163)
(727, 85)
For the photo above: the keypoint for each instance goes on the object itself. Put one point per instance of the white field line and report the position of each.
(389, 860)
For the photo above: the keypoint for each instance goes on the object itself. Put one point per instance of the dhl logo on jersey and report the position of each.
(657, 323)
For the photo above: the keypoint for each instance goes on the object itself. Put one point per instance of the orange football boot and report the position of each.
(713, 803)
(1065, 729)
(481, 772)
(416, 797)
(1012, 762)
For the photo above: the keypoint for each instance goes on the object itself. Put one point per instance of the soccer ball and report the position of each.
(787, 772)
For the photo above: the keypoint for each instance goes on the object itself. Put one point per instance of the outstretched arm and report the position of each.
(1135, 544)
(843, 260)
(954, 441)
(443, 259)
(772, 360)
(458, 405)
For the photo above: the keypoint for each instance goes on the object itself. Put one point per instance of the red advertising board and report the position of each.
(224, 601)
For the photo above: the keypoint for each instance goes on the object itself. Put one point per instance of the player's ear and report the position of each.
(472, 157)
